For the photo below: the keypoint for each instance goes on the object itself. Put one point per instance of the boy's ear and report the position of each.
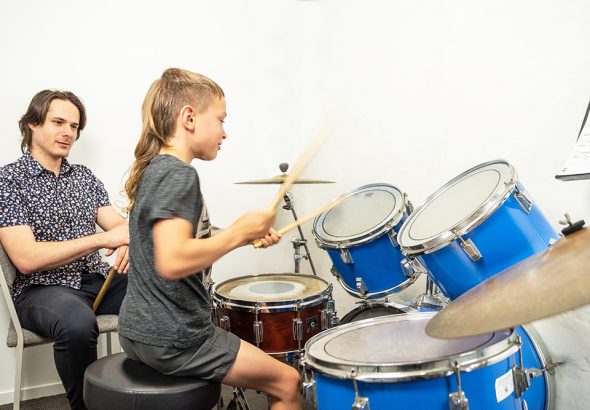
(188, 117)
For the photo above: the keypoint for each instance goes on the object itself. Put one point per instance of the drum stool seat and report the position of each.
(118, 382)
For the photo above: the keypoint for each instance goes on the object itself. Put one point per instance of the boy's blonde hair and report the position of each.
(161, 107)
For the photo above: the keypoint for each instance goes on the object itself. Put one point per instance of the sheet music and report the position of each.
(577, 165)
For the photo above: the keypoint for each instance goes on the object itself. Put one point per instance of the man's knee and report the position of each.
(77, 329)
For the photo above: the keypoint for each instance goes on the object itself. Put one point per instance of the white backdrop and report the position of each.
(424, 90)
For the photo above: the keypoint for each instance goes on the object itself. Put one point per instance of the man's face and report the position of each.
(55, 137)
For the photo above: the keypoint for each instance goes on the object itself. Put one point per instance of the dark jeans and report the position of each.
(65, 316)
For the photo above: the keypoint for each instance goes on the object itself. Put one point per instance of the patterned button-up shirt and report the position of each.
(56, 208)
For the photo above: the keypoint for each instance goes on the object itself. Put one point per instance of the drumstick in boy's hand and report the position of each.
(304, 159)
(258, 243)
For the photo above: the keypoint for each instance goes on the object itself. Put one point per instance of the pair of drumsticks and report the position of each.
(302, 162)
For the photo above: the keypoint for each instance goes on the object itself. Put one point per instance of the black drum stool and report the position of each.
(118, 382)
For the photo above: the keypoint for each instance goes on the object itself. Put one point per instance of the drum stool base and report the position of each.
(117, 382)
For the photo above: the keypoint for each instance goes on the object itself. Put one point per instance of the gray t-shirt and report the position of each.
(157, 311)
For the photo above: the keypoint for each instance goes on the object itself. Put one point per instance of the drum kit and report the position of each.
(480, 239)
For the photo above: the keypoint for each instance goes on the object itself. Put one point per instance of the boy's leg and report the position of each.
(254, 369)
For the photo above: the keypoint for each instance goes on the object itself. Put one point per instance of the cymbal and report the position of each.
(551, 282)
(279, 179)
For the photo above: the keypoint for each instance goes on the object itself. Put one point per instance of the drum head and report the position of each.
(459, 206)
(398, 347)
(360, 215)
(273, 287)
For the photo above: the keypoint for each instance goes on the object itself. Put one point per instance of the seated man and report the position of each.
(49, 210)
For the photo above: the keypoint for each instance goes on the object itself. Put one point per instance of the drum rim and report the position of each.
(468, 223)
(329, 241)
(274, 306)
(387, 372)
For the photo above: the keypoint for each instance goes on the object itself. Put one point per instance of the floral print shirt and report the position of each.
(56, 208)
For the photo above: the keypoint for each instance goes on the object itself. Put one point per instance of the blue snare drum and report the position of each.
(359, 233)
(390, 363)
(475, 226)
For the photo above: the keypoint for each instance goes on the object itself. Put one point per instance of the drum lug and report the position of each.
(360, 403)
(411, 267)
(346, 256)
(523, 198)
(224, 323)
(258, 332)
(470, 249)
(458, 400)
(297, 329)
(328, 317)
(307, 383)
(409, 205)
(361, 287)
(392, 234)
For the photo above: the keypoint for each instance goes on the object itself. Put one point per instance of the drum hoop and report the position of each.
(382, 293)
(390, 372)
(325, 240)
(274, 306)
(467, 224)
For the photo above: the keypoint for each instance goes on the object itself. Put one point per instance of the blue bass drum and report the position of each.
(389, 362)
(475, 226)
(359, 233)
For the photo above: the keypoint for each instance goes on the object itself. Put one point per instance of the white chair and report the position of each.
(21, 338)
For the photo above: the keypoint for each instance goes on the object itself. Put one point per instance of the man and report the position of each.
(49, 210)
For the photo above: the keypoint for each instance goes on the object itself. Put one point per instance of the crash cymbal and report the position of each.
(543, 285)
(279, 179)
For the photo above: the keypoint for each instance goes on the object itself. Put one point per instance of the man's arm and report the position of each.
(30, 256)
(109, 219)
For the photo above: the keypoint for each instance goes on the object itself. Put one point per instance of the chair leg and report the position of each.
(109, 343)
(18, 376)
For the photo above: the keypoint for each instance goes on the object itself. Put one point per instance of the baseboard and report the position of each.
(34, 392)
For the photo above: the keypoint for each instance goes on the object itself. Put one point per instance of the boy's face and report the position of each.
(55, 137)
(209, 132)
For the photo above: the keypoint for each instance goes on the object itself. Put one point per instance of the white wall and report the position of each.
(424, 90)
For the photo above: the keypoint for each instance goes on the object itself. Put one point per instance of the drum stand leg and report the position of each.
(432, 298)
(298, 242)
(239, 401)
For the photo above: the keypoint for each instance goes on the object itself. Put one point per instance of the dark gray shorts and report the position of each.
(211, 360)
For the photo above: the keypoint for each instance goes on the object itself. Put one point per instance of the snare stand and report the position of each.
(297, 242)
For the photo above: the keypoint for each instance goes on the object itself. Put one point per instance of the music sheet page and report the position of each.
(577, 165)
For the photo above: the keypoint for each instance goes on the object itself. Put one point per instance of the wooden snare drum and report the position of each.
(276, 312)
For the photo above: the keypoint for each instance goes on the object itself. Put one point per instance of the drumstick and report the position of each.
(103, 290)
(303, 160)
(258, 243)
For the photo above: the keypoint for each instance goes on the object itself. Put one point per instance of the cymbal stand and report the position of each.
(298, 242)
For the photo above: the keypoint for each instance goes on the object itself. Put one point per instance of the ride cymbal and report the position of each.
(543, 285)
(279, 179)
